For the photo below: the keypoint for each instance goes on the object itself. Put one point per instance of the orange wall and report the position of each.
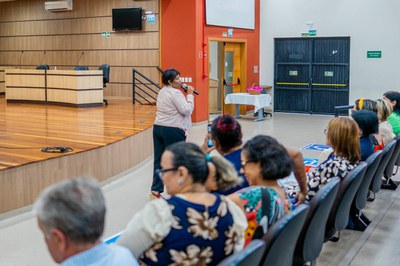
(181, 46)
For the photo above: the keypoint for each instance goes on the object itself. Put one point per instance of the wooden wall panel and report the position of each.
(128, 58)
(125, 90)
(24, 10)
(69, 26)
(63, 36)
(124, 74)
(118, 41)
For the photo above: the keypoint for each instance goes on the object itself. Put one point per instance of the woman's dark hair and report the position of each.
(367, 121)
(274, 160)
(227, 131)
(192, 158)
(169, 75)
(394, 96)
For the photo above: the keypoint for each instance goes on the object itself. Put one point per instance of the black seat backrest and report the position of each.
(397, 163)
(340, 212)
(42, 67)
(311, 239)
(362, 193)
(281, 238)
(386, 155)
(250, 255)
(81, 68)
(388, 173)
(106, 73)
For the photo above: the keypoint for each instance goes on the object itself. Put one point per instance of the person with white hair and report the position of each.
(71, 216)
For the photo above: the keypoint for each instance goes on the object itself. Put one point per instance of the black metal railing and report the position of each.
(144, 90)
(342, 108)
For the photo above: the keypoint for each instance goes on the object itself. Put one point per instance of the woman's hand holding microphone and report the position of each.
(189, 89)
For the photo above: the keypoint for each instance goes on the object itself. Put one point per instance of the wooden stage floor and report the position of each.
(105, 141)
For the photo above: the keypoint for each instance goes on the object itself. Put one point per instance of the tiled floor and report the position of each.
(21, 243)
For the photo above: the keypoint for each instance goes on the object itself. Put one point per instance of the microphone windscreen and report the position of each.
(184, 87)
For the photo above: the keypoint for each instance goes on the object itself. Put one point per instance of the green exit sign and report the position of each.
(312, 32)
(374, 54)
(105, 34)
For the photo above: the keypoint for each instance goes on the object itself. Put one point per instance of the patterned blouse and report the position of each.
(187, 233)
(322, 174)
(263, 207)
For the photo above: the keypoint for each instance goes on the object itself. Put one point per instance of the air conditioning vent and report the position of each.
(56, 6)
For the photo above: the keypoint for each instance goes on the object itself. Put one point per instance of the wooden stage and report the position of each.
(105, 141)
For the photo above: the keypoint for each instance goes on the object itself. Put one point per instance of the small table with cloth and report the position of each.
(259, 101)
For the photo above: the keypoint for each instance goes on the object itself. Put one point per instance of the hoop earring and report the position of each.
(181, 181)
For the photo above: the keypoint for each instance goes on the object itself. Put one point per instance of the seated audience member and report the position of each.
(227, 136)
(193, 227)
(394, 119)
(71, 216)
(342, 135)
(365, 104)
(385, 129)
(263, 161)
(222, 175)
(226, 133)
(370, 140)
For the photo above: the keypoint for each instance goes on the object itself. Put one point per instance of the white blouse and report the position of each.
(174, 109)
(386, 131)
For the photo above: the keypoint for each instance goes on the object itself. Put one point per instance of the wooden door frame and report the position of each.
(243, 69)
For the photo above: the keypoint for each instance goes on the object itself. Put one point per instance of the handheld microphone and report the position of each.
(20, 58)
(79, 59)
(185, 87)
(44, 55)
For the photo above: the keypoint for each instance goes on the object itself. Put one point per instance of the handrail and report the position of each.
(142, 87)
(342, 107)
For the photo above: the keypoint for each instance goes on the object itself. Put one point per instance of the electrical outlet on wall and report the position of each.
(255, 69)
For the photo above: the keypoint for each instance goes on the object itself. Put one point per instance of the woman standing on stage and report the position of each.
(173, 119)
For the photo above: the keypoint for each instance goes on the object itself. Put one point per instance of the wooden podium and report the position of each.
(64, 87)
(2, 78)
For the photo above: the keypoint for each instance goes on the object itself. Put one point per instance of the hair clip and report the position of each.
(225, 126)
(360, 103)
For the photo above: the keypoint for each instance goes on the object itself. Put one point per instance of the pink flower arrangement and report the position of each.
(254, 89)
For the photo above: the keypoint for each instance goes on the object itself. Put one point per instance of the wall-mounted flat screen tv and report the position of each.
(127, 19)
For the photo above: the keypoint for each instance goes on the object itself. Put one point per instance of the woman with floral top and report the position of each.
(263, 161)
(342, 135)
(193, 227)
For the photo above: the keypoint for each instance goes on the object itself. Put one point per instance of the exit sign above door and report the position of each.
(374, 54)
